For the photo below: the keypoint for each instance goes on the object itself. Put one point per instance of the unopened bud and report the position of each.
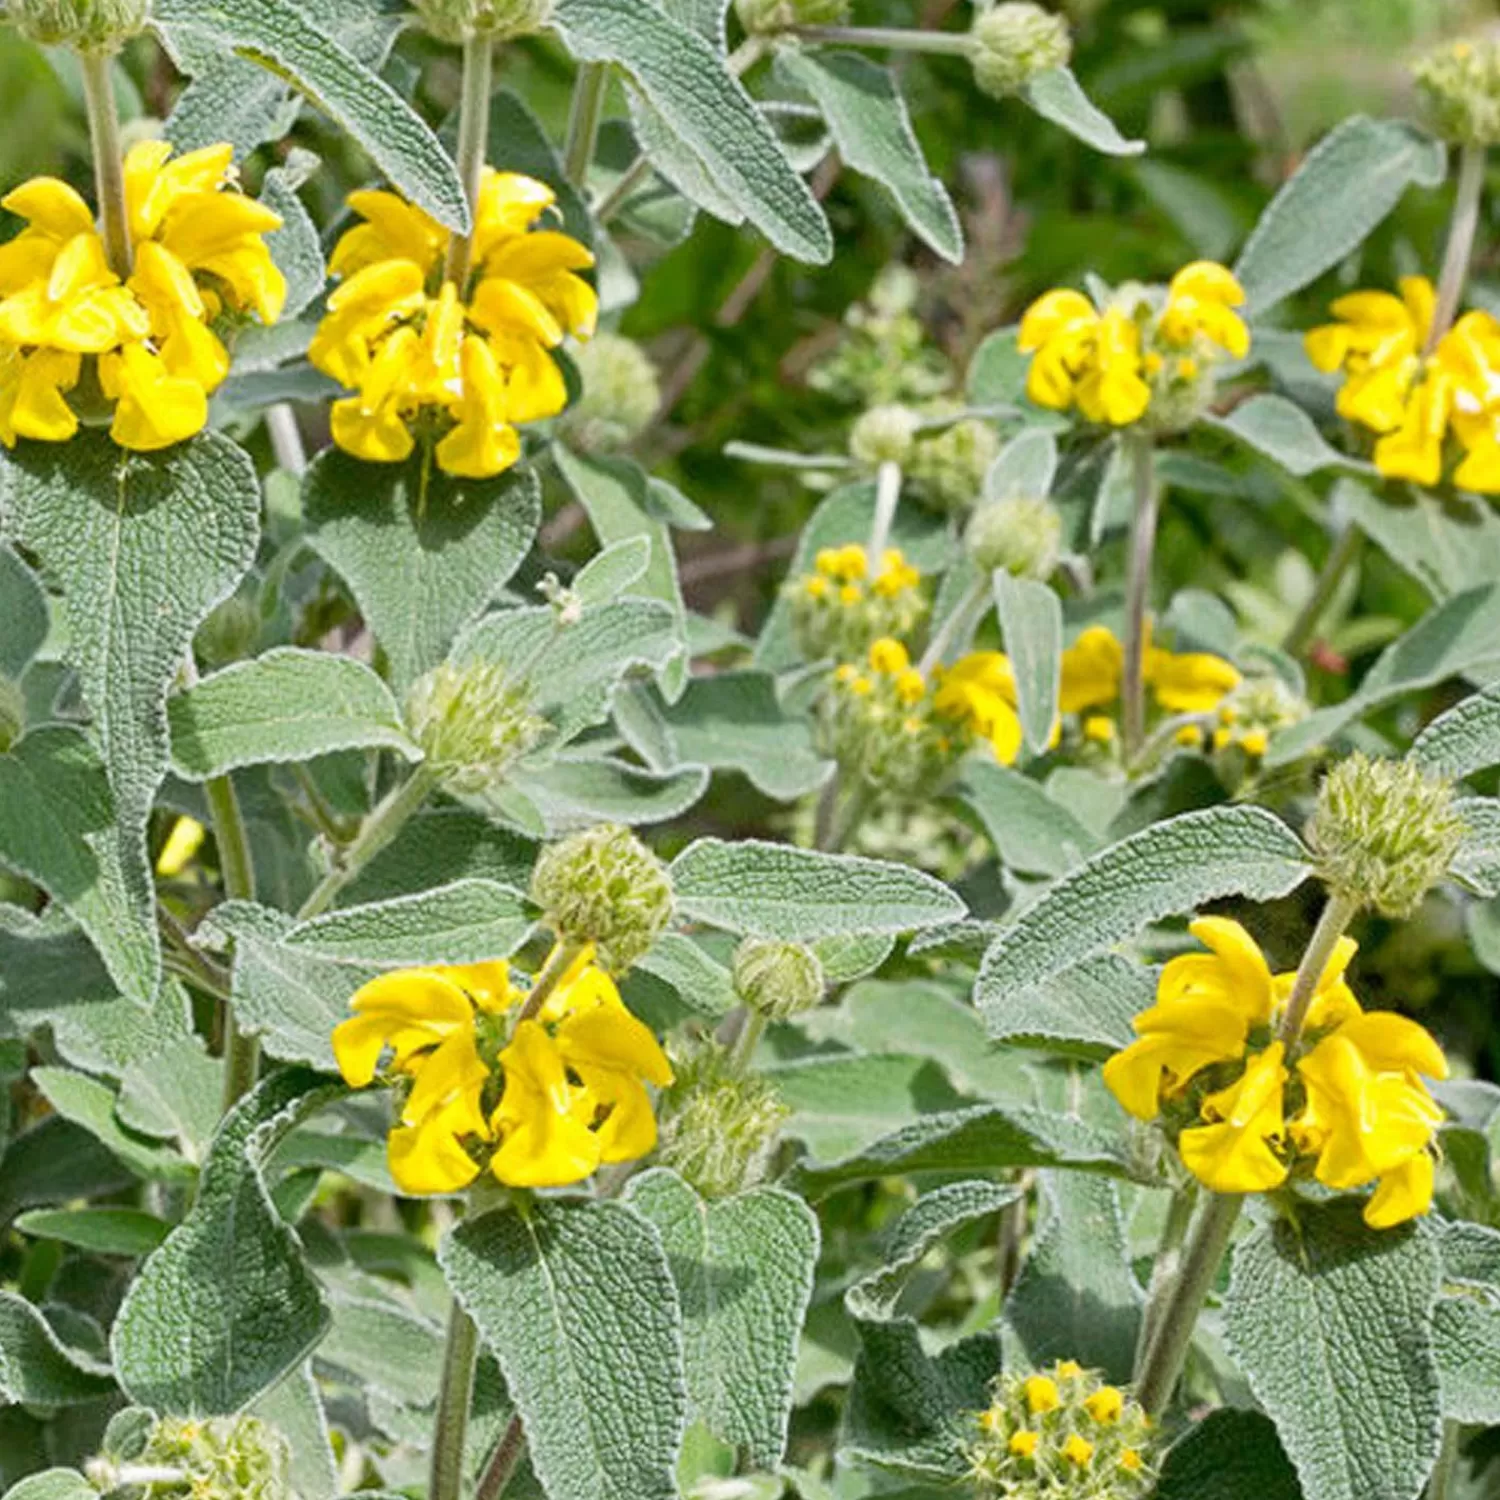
(947, 470)
(885, 434)
(1014, 43)
(777, 979)
(12, 713)
(501, 20)
(222, 1458)
(83, 25)
(605, 887)
(1021, 536)
(767, 17)
(1384, 833)
(473, 723)
(718, 1126)
(621, 394)
(1461, 83)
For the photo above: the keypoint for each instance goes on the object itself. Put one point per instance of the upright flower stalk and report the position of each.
(109, 158)
(1461, 234)
(1138, 589)
(473, 137)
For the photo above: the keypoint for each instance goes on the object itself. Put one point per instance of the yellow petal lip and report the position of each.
(51, 206)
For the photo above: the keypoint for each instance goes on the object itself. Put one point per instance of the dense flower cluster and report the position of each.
(1415, 398)
(1139, 356)
(541, 1102)
(1348, 1101)
(199, 255)
(461, 366)
(839, 608)
(1061, 1432)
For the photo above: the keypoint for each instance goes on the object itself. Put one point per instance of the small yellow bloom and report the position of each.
(1190, 737)
(181, 847)
(911, 686)
(32, 403)
(980, 692)
(153, 408)
(1024, 1443)
(1042, 1394)
(896, 575)
(861, 687)
(1069, 1369)
(1105, 1405)
(1200, 303)
(1131, 1461)
(815, 587)
(850, 595)
(1078, 1451)
(1233, 1153)
(1414, 451)
(1255, 742)
(1192, 683)
(1112, 390)
(889, 657)
(1100, 730)
(1092, 669)
(843, 564)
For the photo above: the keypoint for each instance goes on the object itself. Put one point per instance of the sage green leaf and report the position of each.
(440, 845)
(175, 1095)
(613, 570)
(1331, 1324)
(872, 129)
(744, 1273)
(1024, 468)
(1031, 621)
(685, 80)
(100, 1231)
(57, 1161)
(37, 1368)
(1085, 1011)
(422, 552)
(291, 998)
(296, 247)
(801, 894)
(1231, 1455)
(277, 35)
(143, 547)
(734, 722)
(295, 1409)
(703, 986)
(1031, 832)
(287, 705)
(1466, 1344)
(57, 827)
(1345, 186)
(23, 614)
(1168, 868)
(848, 958)
(576, 1301)
(386, 1347)
(467, 922)
(577, 792)
(1477, 863)
(1077, 1296)
(226, 1307)
(1284, 433)
(1458, 637)
(1057, 96)
(1462, 741)
(53, 1484)
(87, 1102)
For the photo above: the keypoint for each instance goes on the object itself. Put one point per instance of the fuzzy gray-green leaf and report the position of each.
(1031, 620)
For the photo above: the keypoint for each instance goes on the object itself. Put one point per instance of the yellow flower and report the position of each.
(31, 394)
(1111, 390)
(889, 657)
(843, 564)
(1023, 1443)
(183, 843)
(980, 692)
(1131, 1461)
(896, 575)
(1414, 450)
(153, 407)
(1042, 1394)
(1200, 303)
(1105, 1405)
(1069, 1369)
(1233, 1152)
(1078, 1451)
(483, 443)
(1192, 683)
(1092, 668)
(1190, 737)
(1206, 1005)
(1059, 329)
(1100, 730)
(1377, 341)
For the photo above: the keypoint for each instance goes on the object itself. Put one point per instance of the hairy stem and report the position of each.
(286, 438)
(589, 91)
(241, 1052)
(451, 1426)
(887, 498)
(1345, 550)
(1337, 915)
(1138, 590)
(1445, 1473)
(109, 159)
(1461, 232)
(473, 139)
(1167, 1265)
(888, 38)
(559, 961)
(502, 1464)
(959, 625)
(748, 1040)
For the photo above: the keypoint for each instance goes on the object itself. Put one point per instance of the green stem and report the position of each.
(888, 38)
(1445, 1472)
(1337, 915)
(241, 1052)
(887, 498)
(617, 197)
(959, 625)
(589, 92)
(383, 824)
(502, 1464)
(461, 1351)
(1138, 591)
(747, 1041)
(850, 815)
(1461, 232)
(109, 158)
(1167, 1265)
(473, 140)
(559, 961)
(1345, 551)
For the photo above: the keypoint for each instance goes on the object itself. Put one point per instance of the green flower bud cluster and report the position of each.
(1014, 42)
(12, 713)
(473, 723)
(777, 979)
(1255, 711)
(1461, 83)
(1384, 833)
(718, 1126)
(883, 357)
(1061, 1434)
(1021, 536)
(768, 17)
(947, 470)
(884, 435)
(502, 20)
(83, 25)
(604, 887)
(219, 1458)
(621, 394)
(838, 611)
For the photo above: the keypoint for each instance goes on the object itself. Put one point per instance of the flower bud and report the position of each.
(776, 979)
(1384, 833)
(83, 25)
(884, 435)
(948, 469)
(1461, 83)
(1013, 43)
(718, 1126)
(621, 394)
(1021, 536)
(459, 20)
(473, 723)
(605, 887)
(221, 1458)
(12, 713)
(767, 17)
